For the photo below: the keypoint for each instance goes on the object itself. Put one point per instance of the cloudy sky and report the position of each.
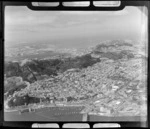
(24, 25)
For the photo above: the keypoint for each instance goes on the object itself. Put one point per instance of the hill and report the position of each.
(33, 70)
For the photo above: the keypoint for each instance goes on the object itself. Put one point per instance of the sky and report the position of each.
(68, 28)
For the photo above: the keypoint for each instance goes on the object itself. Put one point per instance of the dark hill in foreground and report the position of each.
(34, 70)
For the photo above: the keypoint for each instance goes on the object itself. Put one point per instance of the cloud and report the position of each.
(28, 19)
(24, 16)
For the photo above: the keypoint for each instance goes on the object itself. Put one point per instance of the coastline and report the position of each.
(45, 106)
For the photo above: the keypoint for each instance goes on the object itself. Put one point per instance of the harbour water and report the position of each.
(67, 113)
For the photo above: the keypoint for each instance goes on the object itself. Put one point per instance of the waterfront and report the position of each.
(67, 113)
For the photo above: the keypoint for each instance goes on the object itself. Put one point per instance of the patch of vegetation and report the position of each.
(78, 62)
(13, 84)
(34, 68)
(18, 88)
(114, 55)
(23, 100)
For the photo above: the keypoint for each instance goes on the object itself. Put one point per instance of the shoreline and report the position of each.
(44, 106)
(91, 114)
